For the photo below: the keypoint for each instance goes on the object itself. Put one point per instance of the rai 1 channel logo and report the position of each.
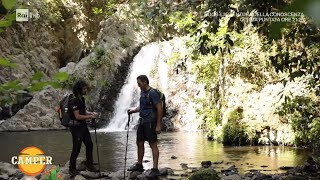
(32, 161)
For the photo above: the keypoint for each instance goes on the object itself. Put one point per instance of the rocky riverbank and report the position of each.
(310, 170)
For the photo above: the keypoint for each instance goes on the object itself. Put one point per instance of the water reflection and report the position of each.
(190, 148)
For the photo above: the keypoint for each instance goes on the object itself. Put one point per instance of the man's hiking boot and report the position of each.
(137, 167)
(73, 172)
(154, 173)
(91, 168)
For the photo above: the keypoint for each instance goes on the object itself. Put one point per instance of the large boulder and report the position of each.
(39, 113)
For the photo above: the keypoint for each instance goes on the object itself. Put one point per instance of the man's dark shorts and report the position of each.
(147, 132)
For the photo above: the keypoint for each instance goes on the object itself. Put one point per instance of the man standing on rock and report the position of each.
(150, 111)
(80, 133)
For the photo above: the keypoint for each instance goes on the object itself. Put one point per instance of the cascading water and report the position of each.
(143, 63)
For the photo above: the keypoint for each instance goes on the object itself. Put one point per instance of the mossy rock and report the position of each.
(205, 174)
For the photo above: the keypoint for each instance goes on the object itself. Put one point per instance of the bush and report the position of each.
(124, 42)
(205, 174)
(303, 116)
(236, 115)
(234, 134)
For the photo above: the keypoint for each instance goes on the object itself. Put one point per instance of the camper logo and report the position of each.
(31, 160)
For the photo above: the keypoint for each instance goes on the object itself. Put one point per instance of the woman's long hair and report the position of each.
(78, 87)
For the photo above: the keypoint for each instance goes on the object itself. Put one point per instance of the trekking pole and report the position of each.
(95, 132)
(125, 157)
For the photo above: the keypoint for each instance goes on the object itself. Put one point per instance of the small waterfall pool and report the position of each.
(189, 147)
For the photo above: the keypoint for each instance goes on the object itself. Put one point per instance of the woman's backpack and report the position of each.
(65, 113)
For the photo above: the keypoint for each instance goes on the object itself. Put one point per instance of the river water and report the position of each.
(189, 147)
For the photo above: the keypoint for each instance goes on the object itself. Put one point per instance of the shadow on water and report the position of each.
(189, 148)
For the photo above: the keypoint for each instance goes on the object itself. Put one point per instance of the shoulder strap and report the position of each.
(148, 97)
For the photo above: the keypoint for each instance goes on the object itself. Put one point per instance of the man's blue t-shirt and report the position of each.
(148, 105)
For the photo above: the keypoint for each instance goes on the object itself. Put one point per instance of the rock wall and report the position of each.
(119, 39)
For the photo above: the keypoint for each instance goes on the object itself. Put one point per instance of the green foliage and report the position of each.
(104, 83)
(299, 54)
(91, 75)
(61, 76)
(100, 52)
(108, 9)
(252, 135)
(6, 63)
(10, 14)
(183, 22)
(211, 119)
(304, 6)
(8, 4)
(9, 91)
(176, 56)
(302, 114)
(205, 174)
(207, 68)
(124, 42)
(37, 76)
(69, 82)
(236, 115)
(111, 7)
(97, 11)
(97, 62)
(234, 134)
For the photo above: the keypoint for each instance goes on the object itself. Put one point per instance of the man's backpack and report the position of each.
(65, 111)
(162, 100)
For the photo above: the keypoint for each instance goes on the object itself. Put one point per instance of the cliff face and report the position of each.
(61, 36)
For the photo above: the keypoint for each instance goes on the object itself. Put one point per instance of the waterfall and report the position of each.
(149, 58)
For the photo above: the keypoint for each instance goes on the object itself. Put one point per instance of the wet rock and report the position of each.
(311, 161)
(249, 174)
(285, 168)
(18, 174)
(184, 166)
(207, 173)
(170, 172)
(292, 177)
(260, 176)
(81, 164)
(230, 169)
(173, 157)
(232, 177)
(133, 174)
(8, 169)
(144, 174)
(253, 170)
(218, 162)
(79, 177)
(28, 178)
(42, 106)
(118, 174)
(164, 171)
(4, 176)
(276, 177)
(206, 164)
(90, 175)
(311, 168)
(21, 100)
(299, 169)
(13, 178)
